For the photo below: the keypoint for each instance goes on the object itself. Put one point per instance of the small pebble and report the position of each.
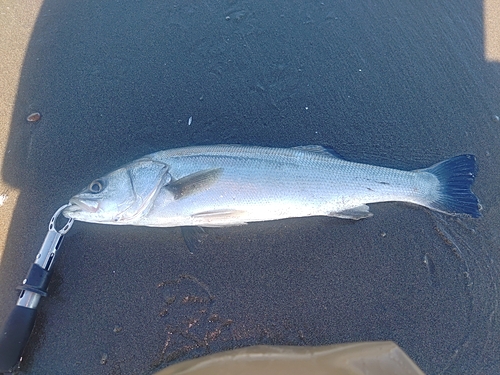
(117, 329)
(496, 118)
(34, 117)
(3, 198)
(104, 359)
(214, 318)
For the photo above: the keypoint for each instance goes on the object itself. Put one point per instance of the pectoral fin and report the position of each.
(193, 183)
(355, 213)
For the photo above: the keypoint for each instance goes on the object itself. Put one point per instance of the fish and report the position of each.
(227, 185)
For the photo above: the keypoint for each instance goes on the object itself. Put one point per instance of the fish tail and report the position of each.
(456, 176)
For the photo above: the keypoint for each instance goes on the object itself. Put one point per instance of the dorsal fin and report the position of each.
(319, 150)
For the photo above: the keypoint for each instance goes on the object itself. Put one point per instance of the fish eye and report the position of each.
(96, 186)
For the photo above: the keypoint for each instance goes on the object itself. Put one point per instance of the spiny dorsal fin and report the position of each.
(318, 150)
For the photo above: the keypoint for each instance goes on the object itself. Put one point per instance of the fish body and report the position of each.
(225, 185)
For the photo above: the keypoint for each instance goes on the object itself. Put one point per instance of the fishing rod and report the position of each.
(17, 329)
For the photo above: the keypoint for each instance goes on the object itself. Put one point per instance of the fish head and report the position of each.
(122, 196)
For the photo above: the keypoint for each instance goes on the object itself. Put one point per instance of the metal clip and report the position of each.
(52, 240)
(67, 226)
(36, 282)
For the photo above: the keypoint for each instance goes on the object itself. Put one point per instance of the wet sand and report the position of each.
(399, 85)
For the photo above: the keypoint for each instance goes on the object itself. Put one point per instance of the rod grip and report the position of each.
(14, 336)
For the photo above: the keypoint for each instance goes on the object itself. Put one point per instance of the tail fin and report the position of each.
(456, 176)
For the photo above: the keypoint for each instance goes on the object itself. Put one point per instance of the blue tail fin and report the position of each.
(456, 176)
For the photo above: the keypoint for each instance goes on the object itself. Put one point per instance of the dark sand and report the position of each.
(389, 83)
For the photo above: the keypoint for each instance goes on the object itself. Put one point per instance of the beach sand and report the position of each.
(17, 21)
(401, 85)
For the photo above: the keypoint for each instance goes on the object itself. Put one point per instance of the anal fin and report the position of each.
(194, 238)
(355, 213)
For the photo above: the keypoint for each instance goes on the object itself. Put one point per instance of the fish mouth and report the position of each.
(78, 204)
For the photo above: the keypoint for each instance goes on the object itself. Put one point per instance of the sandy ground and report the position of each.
(17, 20)
(491, 30)
(397, 84)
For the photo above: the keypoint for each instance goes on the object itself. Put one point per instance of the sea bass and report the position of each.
(224, 185)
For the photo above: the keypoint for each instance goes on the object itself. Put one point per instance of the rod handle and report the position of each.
(14, 336)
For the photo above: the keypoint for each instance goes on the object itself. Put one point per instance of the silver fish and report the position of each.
(224, 185)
